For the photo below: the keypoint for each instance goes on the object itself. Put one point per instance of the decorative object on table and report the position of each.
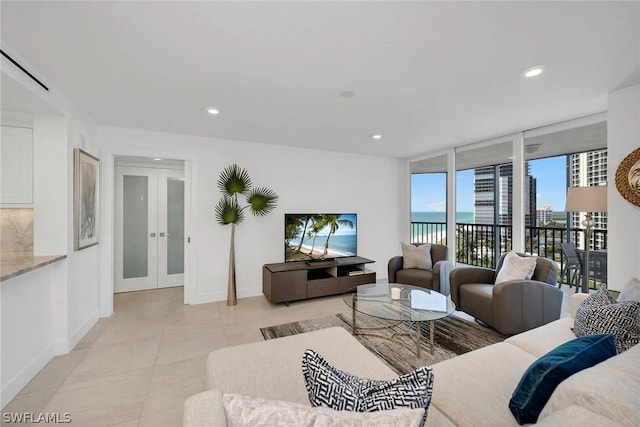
(232, 182)
(588, 200)
(628, 177)
(86, 199)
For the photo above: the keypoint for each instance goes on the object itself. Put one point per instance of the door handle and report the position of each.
(152, 235)
(164, 234)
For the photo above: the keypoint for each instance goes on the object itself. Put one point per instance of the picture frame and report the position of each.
(628, 177)
(86, 199)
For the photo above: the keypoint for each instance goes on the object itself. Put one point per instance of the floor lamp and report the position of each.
(586, 199)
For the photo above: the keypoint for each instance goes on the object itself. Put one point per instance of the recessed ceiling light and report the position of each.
(377, 136)
(213, 111)
(157, 159)
(533, 71)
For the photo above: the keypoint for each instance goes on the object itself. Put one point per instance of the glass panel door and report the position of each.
(136, 260)
(170, 218)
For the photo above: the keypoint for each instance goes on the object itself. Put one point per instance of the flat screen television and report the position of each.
(316, 237)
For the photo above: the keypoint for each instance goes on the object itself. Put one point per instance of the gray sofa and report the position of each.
(472, 389)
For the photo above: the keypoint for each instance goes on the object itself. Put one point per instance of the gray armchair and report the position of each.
(430, 279)
(508, 307)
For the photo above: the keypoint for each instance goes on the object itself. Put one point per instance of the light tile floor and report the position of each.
(137, 367)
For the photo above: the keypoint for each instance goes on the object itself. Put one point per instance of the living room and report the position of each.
(365, 176)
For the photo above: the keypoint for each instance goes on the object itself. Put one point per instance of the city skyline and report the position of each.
(428, 191)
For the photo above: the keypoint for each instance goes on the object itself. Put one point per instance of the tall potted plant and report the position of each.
(235, 181)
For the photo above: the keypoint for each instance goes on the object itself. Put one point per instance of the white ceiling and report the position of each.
(425, 75)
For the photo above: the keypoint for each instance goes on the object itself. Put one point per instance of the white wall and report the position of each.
(623, 136)
(306, 181)
(32, 325)
(50, 166)
(47, 311)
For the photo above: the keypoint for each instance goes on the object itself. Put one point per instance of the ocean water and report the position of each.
(339, 244)
(431, 216)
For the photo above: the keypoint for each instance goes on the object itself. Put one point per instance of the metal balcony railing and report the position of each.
(482, 244)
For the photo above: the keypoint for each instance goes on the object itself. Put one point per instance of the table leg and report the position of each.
(432, 327)
(418, 338)
(353, 315)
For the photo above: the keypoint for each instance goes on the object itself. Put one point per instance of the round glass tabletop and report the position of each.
(414, 304)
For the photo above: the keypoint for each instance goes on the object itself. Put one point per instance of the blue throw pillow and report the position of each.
(543, 376)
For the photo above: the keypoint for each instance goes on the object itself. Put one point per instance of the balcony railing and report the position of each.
(481, 244)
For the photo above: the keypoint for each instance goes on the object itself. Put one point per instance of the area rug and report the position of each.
(453, 336)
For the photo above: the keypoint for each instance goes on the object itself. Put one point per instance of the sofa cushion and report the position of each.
(539, 341)
(543, 376)
(600, 313)
(339, 390)
(416, 256)
(242, 369)
(415, 277)
(576, 416)
(246, 411)
(516, 267)
(473, 389)
(204, 409)
(610, 388)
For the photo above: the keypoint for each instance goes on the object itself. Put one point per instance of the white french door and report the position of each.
(149, 229)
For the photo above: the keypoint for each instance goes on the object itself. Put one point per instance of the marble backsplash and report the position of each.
(16, 231)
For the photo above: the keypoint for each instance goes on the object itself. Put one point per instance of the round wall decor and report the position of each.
(628, 177)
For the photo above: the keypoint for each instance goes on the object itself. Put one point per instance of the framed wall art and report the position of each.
(86, 199)
(628, 177)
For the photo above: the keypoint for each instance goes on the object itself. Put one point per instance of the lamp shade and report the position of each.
(587, 199)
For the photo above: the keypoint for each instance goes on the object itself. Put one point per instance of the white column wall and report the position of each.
(50, 165)
(623, 136)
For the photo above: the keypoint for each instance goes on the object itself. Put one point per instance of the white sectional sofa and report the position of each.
(472, 389)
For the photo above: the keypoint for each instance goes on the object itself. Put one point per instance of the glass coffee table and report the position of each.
(413, 304)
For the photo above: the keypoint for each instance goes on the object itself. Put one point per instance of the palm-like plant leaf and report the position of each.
(233, 180)
(228, 211)
(262, 200)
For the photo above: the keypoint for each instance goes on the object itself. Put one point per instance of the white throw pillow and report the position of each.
(416, 256)
(247, 411)
(631, 292)
(516, 267)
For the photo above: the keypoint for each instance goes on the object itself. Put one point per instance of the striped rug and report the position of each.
(453, 336)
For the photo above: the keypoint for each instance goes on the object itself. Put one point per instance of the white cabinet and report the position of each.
(16, 165)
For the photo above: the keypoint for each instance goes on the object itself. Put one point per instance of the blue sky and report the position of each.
(428, 191)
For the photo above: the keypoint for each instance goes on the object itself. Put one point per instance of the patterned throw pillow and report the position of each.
(516, 267)
(249, 411)
(600, 313)
(335, 389)
(416, 256)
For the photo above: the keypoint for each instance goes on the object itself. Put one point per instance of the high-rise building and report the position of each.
(588, 169)
(544, 215)
(488, 180)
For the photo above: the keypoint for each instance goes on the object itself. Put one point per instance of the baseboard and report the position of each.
(26, 374)
(222, 296)
(81, 331)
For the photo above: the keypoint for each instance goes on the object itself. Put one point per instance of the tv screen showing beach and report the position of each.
(320, 236)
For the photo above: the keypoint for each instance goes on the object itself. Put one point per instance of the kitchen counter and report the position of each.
(15, 265)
